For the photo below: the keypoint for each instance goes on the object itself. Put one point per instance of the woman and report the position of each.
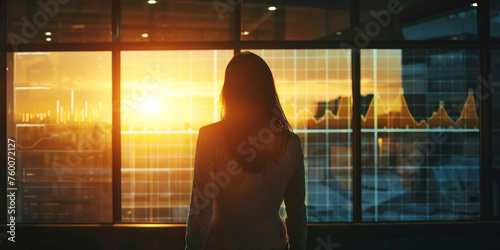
(245, 166)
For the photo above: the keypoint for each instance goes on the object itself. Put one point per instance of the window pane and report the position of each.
(315, 90)
(60, 21)
(295, 20)
(495, 19)
(158, 150)
(420, 135)
(59, 114)
(166, 97)
(176, 20)
(417, 20)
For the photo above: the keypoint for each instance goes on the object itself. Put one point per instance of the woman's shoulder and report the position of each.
(211, 131)
(294, 138)
(212, 127)
(294, 143)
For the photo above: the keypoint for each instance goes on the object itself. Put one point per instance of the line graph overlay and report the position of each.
(420, 156)
(58, 115)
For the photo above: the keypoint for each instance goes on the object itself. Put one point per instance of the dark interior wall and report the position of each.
(463, 235)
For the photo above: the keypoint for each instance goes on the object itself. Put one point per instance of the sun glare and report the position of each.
(151, 106)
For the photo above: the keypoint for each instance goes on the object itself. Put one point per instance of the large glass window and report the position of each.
(168, 96)
(295, 20)
(58, 21)
(495, 19)
(59, 115)
(420, 121)
(417, 20)
(158, 21)
(420, 135)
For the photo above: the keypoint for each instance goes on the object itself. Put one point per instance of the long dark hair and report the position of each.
(251, 110)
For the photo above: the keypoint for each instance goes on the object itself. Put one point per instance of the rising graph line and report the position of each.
(32, 146)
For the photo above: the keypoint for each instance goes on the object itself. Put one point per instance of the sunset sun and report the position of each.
(151, 106)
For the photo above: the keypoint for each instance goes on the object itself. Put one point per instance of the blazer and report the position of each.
(232, 208)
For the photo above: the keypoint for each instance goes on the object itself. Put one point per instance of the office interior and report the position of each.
(396, 103)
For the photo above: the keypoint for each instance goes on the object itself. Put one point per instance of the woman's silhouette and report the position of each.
(245, 166)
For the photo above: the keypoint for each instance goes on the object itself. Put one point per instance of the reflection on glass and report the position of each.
(59, 113)
(297, 20)
(58, 21)
(495, 19)
(420, 135)
(177, 20)
(417, 20)
(168, 96)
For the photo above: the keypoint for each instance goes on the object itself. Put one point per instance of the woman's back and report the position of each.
(233, 208)
(245, 166)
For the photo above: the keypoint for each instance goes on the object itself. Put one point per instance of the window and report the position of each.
(59, 114)
(420, 135)
(158, 21)
(417, 20)
(58, 21)
(410, 79)
(166, 97)
(295, 20)
(495, 19)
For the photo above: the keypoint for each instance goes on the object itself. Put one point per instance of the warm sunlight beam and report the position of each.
(151, 106)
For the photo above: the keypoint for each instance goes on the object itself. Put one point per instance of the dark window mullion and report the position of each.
(116, 116)
(485, 105)
(356, 117)
(223, 45)
(3, 109)
(237, 27)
